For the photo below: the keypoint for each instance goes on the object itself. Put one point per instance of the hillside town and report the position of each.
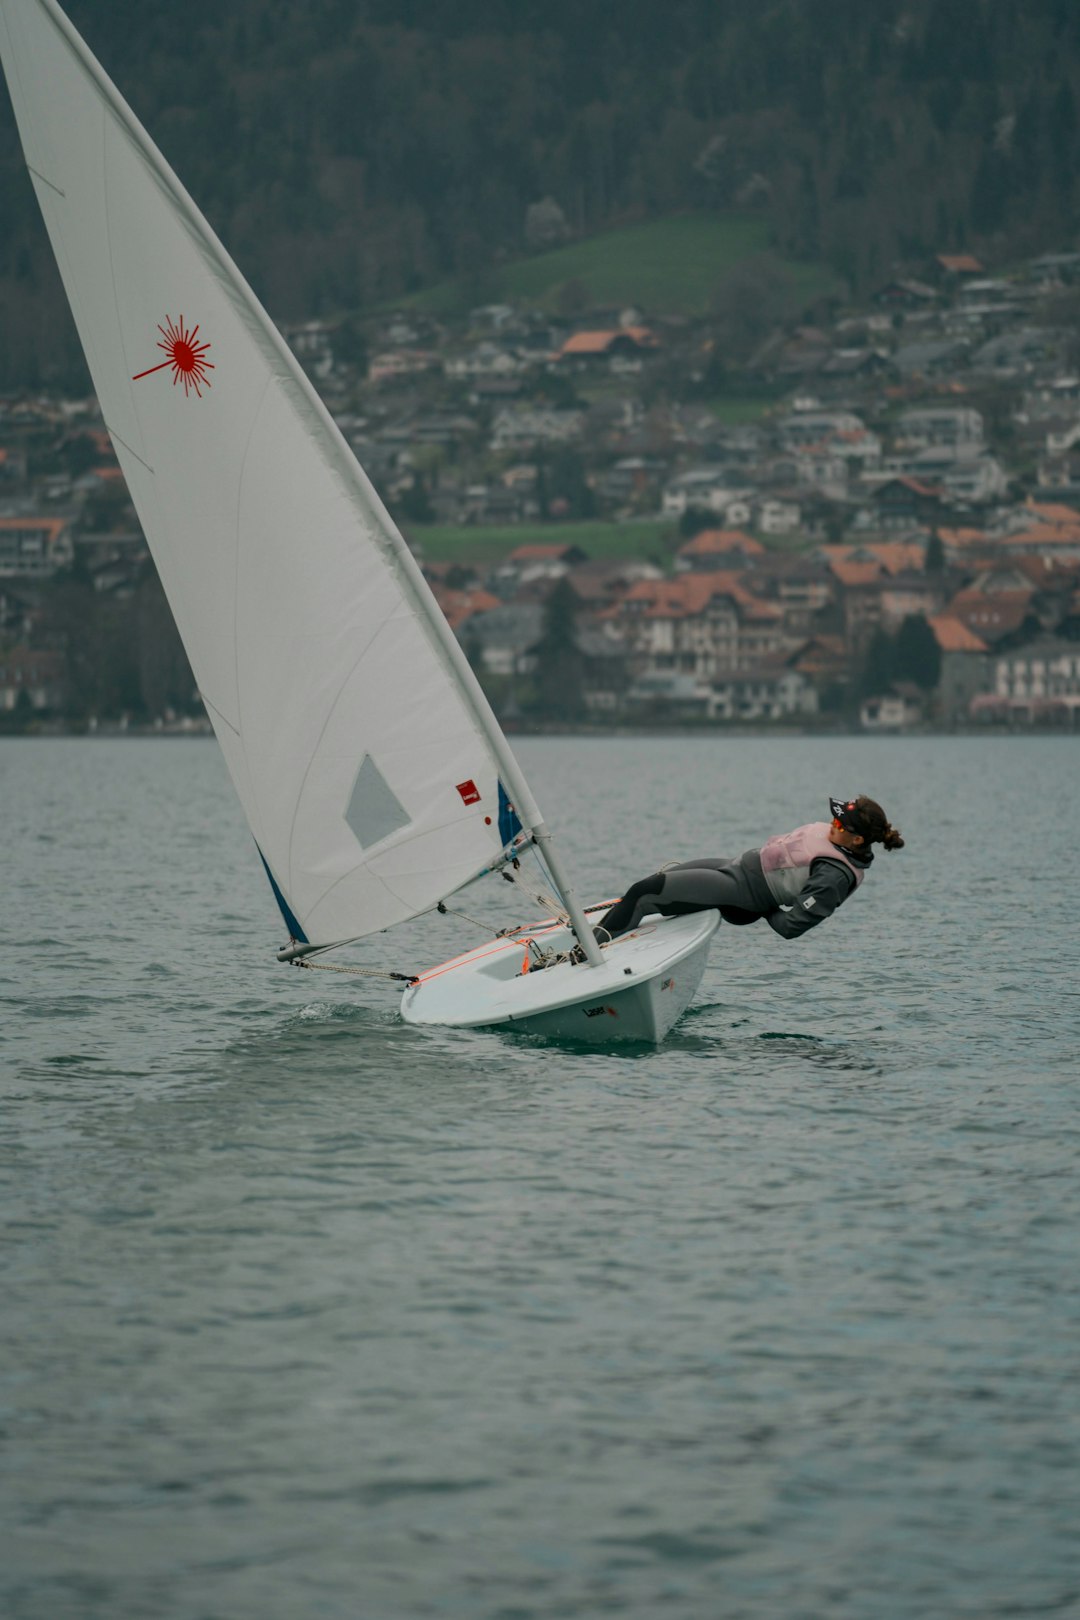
(872, 521)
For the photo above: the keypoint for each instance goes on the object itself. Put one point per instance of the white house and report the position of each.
(702, 488)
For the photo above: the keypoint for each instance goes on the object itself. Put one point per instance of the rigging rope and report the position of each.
(354, 972)
(546, 902)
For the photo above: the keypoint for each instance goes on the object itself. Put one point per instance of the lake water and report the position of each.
(307, 1313)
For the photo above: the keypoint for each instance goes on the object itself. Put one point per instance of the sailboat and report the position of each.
(373, 773)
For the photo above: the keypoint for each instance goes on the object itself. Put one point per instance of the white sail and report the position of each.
(362, 749)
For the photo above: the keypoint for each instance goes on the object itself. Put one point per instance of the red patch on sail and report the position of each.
(470, 793)
(186, 357)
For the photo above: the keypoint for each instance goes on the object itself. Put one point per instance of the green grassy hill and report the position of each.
(482, 546)
(677, 266)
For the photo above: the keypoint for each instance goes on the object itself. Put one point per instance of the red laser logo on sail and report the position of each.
(185, 357)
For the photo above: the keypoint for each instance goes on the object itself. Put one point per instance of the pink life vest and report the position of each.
(786, 859)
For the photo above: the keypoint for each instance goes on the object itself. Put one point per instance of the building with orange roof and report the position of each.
(960, 264)
(710, 544)
(898, 556)
(994, 616)
(859, 586)
(534, 563)
(618, 342)
(1053, 512)
(1046, 540)
(961, 543)
(953, 635)
(912, 595)
(700, 624)
(965, 666)
(460, 605)
(853, 574)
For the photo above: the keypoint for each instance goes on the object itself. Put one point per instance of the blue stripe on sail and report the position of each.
(295, 930)
(509, 825)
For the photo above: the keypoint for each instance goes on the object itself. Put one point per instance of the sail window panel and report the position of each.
(374, 810)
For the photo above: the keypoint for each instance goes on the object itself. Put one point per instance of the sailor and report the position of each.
(794, 881)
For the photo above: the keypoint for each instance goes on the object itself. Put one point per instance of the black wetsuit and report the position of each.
(739, 891)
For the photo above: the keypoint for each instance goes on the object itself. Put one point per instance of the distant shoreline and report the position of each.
(725, 729)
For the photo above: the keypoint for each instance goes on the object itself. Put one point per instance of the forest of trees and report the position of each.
(352, 150)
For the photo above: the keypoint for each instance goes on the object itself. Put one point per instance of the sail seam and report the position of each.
(234, 729)
(37, 174)
(133, 453)
(236, 574)
(112, 261)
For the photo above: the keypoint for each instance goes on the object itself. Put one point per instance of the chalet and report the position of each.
(859, 587)
(701, 625)
(801, 586)
(901, 503)
(824, 660)
(995, 616)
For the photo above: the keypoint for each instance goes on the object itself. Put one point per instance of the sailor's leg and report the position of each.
(713, 863)
(680, 890)
(635, 904)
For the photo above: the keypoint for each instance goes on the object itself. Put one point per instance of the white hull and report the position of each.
(646, 981)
